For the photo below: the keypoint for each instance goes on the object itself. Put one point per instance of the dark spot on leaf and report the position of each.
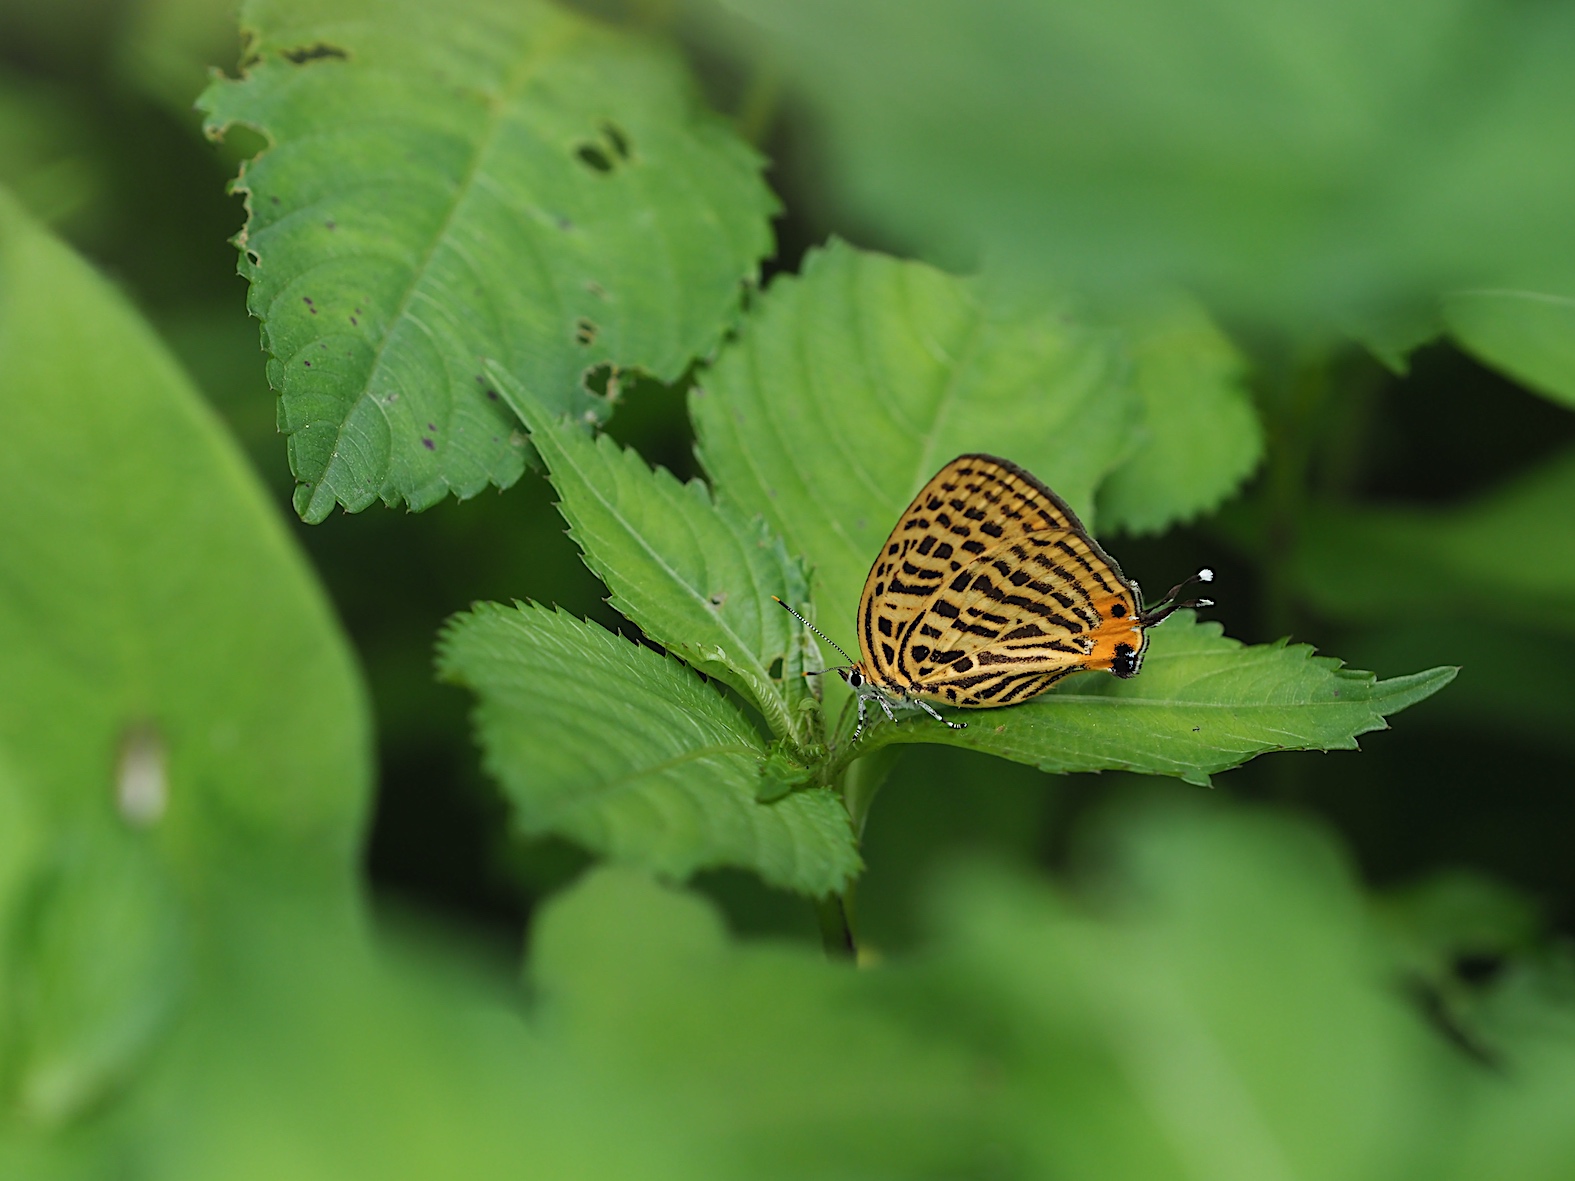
(431, 426)
(313, 53)
(331, 224)
(274, 200)
(775, 671)
(616, 137)
(308, 364)
(594, 158)
(492, 395)
(429, 444)
(354, 321)
(585, 331)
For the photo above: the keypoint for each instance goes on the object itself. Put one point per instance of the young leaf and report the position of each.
(1529, 335)
(1203, 437)
(1510, 555)
(851, 385)
(697, 576)
(168, 656)
(491, 178)
(630, 754)
(1203, 703)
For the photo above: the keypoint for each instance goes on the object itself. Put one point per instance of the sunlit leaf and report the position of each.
(632, 755)
(851, 385)
(449, 183)
(1201, 435)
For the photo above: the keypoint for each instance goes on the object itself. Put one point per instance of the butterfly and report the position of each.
(988, 591)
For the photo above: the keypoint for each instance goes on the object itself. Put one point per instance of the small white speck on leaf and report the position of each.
(142, 786)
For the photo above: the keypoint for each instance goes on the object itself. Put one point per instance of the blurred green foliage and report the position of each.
(1278, 288)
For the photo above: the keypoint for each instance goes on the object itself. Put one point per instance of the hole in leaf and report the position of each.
(585, 331)
(775, 671)
(593, 157)
(616, 137)
(601, 381)
(312, 53)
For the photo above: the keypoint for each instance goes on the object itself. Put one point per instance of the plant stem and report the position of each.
(836, 933)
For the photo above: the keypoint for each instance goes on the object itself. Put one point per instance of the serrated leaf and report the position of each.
(1202, 436)
(630, 754)
(1510, 554)
(851, 385)
(486, 179)
(1202, 703)
(697, 576)
(150, 597)
(1529, 335)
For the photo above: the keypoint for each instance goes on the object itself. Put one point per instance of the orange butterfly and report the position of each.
(989, 591)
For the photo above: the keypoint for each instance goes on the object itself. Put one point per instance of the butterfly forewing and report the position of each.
(989, 590)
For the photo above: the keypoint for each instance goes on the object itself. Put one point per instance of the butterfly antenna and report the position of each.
(1170, 603)
(814, 629)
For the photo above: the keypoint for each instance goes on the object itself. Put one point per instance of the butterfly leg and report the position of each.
(859, 729)
(929, 709)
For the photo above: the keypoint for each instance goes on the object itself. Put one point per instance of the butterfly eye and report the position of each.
(853, 677)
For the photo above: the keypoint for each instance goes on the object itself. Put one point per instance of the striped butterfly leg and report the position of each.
(930, 709)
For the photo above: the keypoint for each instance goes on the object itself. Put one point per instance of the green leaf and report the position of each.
(785, 1064)
(1529, 335)
(1509, 555)
(99, 964)
(490, 179)
(851, 385)
(630, 754)
(1214, 1014)
(1203, 437)
(1203, 703)
(697, 576)
(170, 662)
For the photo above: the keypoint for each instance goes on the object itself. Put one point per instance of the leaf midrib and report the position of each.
(497, 113)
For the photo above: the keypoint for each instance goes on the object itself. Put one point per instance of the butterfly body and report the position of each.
(989, 591)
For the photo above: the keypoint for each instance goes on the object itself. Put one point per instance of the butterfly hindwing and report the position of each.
(973, 504)
(989, 590)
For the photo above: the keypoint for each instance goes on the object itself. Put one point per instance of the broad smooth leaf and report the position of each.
(1216, 1013)
(1529, 335)
(169, 660)
(697, 576)
(1202, 436)
(850, 386)
(630, 754)
(1294, 159)
(486, 179)
(1202, 703)
(1509, 555)
(786, 1063)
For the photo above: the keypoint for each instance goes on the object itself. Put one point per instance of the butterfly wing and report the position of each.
(989, 590)
(975, 505)
(1022, 616)
(971, 505)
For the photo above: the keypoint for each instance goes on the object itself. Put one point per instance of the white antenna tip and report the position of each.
(1205, 602)
(1205, 575)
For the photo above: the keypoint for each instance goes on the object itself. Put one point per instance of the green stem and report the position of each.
(836, 933)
